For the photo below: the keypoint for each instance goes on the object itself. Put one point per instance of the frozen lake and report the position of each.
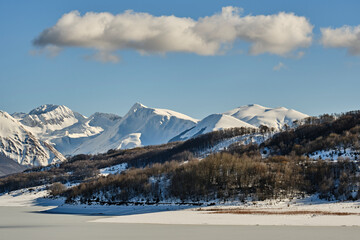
(29, 223)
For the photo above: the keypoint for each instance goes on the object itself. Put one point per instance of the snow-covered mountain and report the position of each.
(141, 126)
(71, 133)
(257, 115)
(48, 118)
(63, 128)
(22, 146)
(53, 121)
(212, 123)
(252, 116)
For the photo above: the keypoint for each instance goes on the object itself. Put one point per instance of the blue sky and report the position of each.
(324, 80)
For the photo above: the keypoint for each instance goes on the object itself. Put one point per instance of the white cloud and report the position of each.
(279, 66)
(344, 37)
(278, 34)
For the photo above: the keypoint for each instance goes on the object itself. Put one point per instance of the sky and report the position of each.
(194, 57)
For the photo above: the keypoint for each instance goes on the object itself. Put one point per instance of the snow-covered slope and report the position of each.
(246, 116)
(211, 123)
(103, 120)
(257, 115)
(140, 126)
(63, 128)
(22, 146)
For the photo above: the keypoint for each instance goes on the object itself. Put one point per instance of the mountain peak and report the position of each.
(50, 117)
(139, 105)
(281, 108)
(136, 107)
(47, 108)
(149, 111)
(252, 105)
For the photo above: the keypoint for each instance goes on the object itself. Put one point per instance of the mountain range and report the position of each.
(48, 133)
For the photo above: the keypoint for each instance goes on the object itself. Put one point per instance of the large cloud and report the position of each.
(278, 34)
(344, 37)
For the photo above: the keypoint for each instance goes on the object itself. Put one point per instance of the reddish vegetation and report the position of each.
(272, 212)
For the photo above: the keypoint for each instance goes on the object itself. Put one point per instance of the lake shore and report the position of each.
(306, 215)
(18, 223)
(310, 211)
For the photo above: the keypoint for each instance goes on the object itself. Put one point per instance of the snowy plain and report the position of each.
(197, 215)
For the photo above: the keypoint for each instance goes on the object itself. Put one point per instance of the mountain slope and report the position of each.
(8, 166)
(22, 146)
(257, 115)
(141, 126)
(211, 123)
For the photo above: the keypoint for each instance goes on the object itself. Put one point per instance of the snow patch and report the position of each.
(336, 154)
(116, 169)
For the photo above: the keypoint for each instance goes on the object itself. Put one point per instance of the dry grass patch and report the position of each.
(272, 212)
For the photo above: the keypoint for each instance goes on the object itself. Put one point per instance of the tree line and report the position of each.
(224, 177)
